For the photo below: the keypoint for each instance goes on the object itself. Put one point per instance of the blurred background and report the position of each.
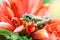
(0, 1)
(54, 9)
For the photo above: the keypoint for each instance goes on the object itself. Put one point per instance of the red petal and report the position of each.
(30, 5)
(6, 26)
(10, 12)
(2, 10)
(17, 22)
(40, 34)
(30, 27)
(24, 5)
(42, 12)
(36, 6)
(16, 6)
(19, 29)
(6, 11)
(5, 19)
(5, 3)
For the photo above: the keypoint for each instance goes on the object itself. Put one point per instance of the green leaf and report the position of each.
(11, 36)
(46, 1)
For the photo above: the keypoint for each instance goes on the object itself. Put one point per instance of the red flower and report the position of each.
(12, 10)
